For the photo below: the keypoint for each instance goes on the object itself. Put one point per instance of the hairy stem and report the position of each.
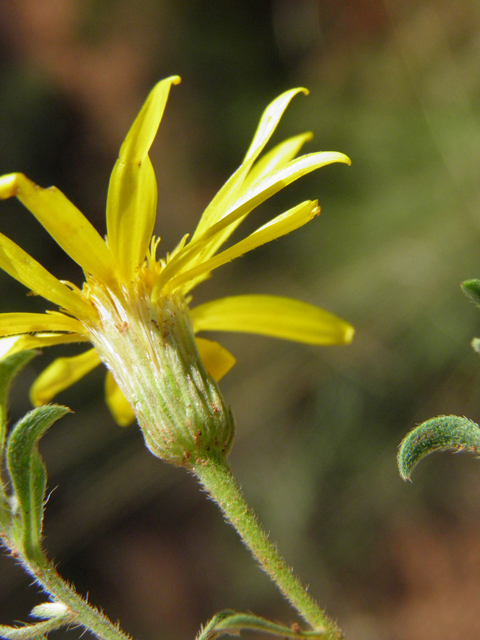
(80, 612)
(215, 475)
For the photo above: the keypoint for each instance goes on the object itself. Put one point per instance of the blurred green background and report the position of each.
(394, 85)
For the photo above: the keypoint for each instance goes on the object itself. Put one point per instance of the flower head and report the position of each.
(134, 308)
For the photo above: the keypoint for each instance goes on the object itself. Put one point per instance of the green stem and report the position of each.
(216, 477)
(80, 612)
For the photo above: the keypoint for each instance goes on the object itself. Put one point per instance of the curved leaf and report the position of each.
(9, 368)
(27, 471)
(444, 433)
(232, 623)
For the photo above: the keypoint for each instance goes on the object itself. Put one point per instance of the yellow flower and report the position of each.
(127, 288)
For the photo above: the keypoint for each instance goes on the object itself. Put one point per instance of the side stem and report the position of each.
(83, 613)
(80, 612)
(216, 477)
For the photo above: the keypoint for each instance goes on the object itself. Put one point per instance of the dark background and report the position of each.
(394, 85)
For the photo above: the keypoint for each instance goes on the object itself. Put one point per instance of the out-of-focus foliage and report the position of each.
(394, 85)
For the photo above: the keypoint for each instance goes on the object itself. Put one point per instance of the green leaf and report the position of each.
(471, 288)
(27, 471)
(444, 433)
(9, 367)
(232, 623)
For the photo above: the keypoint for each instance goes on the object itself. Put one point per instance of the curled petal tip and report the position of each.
(341, 157)
(337, 156)
(174, 79)
(171, 80)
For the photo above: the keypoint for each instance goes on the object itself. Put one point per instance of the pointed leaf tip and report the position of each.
(443, 433)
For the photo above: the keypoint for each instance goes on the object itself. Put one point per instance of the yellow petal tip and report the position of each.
(171, 79)
(37, 399)
(337, 156)
(349, 333)
(8, 186)
(117, 403)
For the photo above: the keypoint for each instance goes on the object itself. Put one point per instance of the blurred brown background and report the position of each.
(397, 87)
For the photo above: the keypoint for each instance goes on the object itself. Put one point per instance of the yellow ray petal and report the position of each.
(15, 323)
(217, 360)
(274, 159)
(271, 184)
(272, 316)
(64, 222)
(258, 193)
(121, 411)
(17, 263)
(269, 121)
(277, 157)
(61, 374)
(267, 125)
(279, 226)
(132, 194)
(15, 344)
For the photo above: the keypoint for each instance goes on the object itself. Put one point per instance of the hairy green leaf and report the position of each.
(471, 288)
(232, 623)
(444, 433)
(27, 471)
(9, 367)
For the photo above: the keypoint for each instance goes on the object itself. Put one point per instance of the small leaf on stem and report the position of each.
(9, 367)
(27, 471)
(471, 288)
(49, 610)
(232, 623)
